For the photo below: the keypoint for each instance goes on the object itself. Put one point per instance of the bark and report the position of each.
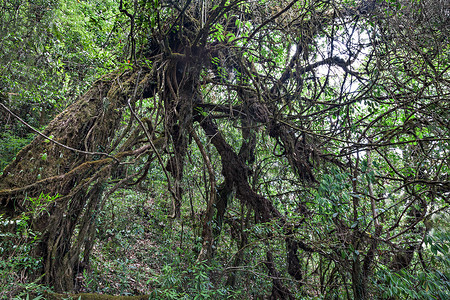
(279, 291)
(240, 235)
(235, 172)
(293, 261)
(359, 284)
(75, 167)
(181, 81)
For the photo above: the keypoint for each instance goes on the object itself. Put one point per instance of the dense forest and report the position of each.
(227, 149)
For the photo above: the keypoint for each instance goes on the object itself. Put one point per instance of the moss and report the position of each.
(89, 124)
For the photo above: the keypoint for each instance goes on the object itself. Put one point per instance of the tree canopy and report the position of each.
(305, 144)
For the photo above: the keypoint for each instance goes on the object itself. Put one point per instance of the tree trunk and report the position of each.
(74, 166)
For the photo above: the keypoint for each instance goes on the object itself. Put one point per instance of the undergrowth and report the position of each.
(140, 250)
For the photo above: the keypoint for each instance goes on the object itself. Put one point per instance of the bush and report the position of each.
(16, 263)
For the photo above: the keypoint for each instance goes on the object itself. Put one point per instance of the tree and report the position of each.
(347, 101)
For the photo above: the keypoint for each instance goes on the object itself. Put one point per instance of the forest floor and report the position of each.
(127, 255)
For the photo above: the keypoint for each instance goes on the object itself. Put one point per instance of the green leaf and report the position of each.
(48, 141)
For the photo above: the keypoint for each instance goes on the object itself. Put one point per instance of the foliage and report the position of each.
(297, 149)
(50, 52)
(17, 264)
(10, 144)
(431, 283)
